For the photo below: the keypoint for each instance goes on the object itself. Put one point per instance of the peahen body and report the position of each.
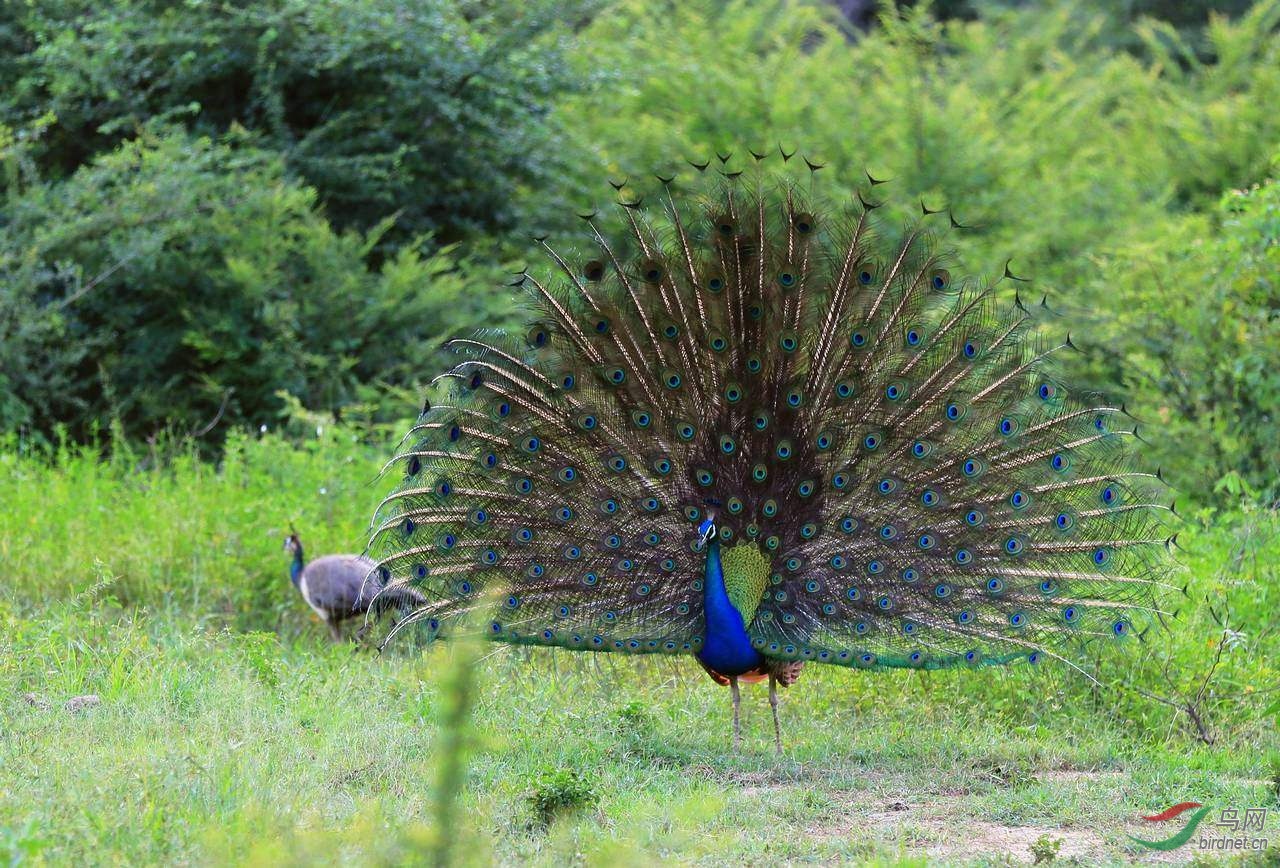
(763, 431)
(340, 587)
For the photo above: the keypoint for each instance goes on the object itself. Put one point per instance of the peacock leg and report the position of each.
(737, 726)
(334, 631)
(773, 704)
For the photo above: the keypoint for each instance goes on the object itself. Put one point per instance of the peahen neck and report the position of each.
(726, 647)
(296, 565)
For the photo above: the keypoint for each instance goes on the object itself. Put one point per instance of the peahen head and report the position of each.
(293, 545)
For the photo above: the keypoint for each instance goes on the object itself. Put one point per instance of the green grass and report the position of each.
(231, 731)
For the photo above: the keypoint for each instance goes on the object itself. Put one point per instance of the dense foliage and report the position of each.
(1202, 311)
(436, 109)
(177, 278)
(209, 200)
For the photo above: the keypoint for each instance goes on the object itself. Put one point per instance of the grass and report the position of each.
(231, 731)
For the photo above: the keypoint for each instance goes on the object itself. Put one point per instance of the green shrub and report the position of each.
(1045, 849)
(1196, 314)
(559, 792)
(437, 109)
(189, 280)
(1093, 154)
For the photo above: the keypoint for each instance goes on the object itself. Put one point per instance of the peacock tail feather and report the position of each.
(896, 475)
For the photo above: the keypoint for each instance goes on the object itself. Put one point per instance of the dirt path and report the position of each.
(942, 827)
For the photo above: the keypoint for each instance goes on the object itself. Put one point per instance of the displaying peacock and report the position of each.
(760, 430)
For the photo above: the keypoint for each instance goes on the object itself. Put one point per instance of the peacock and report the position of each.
(761, 428)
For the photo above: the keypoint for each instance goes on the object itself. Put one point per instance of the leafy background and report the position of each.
(209, 203)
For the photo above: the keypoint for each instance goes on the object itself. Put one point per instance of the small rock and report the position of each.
(898, 806)
(35, 700)
(80, 703)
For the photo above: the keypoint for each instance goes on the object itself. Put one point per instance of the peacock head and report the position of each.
(707, 530)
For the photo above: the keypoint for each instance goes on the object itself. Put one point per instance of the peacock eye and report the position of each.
(538, 337)
(652, 271)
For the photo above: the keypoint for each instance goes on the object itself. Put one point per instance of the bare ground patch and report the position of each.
(939, 830)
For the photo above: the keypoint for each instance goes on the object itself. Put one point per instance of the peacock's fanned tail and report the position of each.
(892, 439)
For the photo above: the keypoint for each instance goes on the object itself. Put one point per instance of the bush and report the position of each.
(1039, 133)
(438, 109)
(559, 792)
(190, 280)
(1196, 312)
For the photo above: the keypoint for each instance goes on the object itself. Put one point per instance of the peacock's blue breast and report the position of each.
(726, 647)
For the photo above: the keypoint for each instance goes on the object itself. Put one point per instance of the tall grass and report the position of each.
(171, 530)
(201, 542)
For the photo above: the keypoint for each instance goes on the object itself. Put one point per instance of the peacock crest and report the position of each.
(878, 450)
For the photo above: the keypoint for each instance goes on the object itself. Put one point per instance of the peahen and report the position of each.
(340, 587)
(763, 431)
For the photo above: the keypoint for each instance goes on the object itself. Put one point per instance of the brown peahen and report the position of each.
(340, 587)
(761, 429)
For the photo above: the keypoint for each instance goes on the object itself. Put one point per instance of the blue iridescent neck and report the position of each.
(295, 567)
(726, 647)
